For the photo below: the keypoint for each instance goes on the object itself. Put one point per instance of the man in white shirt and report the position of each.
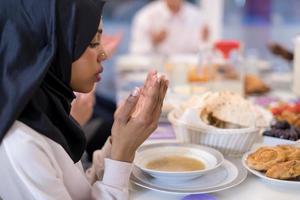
(168, 27)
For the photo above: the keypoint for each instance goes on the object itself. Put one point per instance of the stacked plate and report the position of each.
(185, 169)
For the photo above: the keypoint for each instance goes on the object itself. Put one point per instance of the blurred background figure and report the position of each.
(255, 23)
(168, 27)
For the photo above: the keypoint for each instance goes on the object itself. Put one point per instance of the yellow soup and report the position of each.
(175, 164)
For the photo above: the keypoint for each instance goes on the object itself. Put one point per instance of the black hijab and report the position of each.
(39, 40)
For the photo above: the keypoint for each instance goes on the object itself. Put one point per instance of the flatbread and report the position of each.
(236, 112)
(229, 107)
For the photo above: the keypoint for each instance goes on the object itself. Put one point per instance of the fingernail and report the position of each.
(135, 92)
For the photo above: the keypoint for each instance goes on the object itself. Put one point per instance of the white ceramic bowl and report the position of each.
(210, 157)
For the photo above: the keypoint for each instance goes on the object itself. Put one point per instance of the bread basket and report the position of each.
(232, 142)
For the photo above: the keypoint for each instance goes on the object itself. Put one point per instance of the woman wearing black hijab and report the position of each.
(48, 49)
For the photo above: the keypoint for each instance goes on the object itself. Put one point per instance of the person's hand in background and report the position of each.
(110, 43)
(204, 33)
(138, 117)
(278, 49)
(82, 107)
(158, 37)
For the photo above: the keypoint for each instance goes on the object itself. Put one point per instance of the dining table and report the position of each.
(252, 188)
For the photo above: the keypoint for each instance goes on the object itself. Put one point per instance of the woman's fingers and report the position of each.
(133, 131)
(161, 94)
(124, 111)
(163, 91)
(144, 93)
(150, 102)
(153, 99)
(149, 79)
(150, 98)
(157, 112)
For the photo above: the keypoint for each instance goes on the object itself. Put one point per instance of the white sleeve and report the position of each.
(30, 172)
(114, 185)
(96, 171)
(110, 178)
(140, 35)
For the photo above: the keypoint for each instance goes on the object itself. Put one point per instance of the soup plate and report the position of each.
(146, 154)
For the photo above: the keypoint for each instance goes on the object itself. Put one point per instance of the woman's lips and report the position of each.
(98, 77)
(100, 70)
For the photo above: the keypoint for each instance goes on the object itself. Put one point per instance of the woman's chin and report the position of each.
(84, 89)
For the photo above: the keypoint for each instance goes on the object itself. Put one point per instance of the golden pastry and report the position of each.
(288, 149)
(291, 152)
(265, 157)
(195, 75)
(254, 85)
(285, 170)
(294, 156)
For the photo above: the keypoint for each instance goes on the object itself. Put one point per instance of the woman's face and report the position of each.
(86, 70)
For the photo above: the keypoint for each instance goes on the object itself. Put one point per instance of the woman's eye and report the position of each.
(94, 44)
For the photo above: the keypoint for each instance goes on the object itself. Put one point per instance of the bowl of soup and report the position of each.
(177, 160)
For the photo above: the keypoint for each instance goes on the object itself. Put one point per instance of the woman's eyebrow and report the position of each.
(99, 31)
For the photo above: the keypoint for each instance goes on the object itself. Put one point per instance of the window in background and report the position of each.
(258, 22)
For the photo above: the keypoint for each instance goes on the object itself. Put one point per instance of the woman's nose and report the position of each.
(101, 56)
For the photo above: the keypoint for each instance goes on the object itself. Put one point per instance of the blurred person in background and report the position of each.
(168, 27)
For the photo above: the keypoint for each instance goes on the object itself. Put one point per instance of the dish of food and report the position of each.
(176, 161)
(254, 85)
(286, 123)
(275, 163)
(175, 164)
(228, 175)
(287, 112)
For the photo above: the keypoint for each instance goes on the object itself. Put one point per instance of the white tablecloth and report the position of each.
(253, 188)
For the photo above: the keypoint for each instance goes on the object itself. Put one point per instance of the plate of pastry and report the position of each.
(277, 164)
